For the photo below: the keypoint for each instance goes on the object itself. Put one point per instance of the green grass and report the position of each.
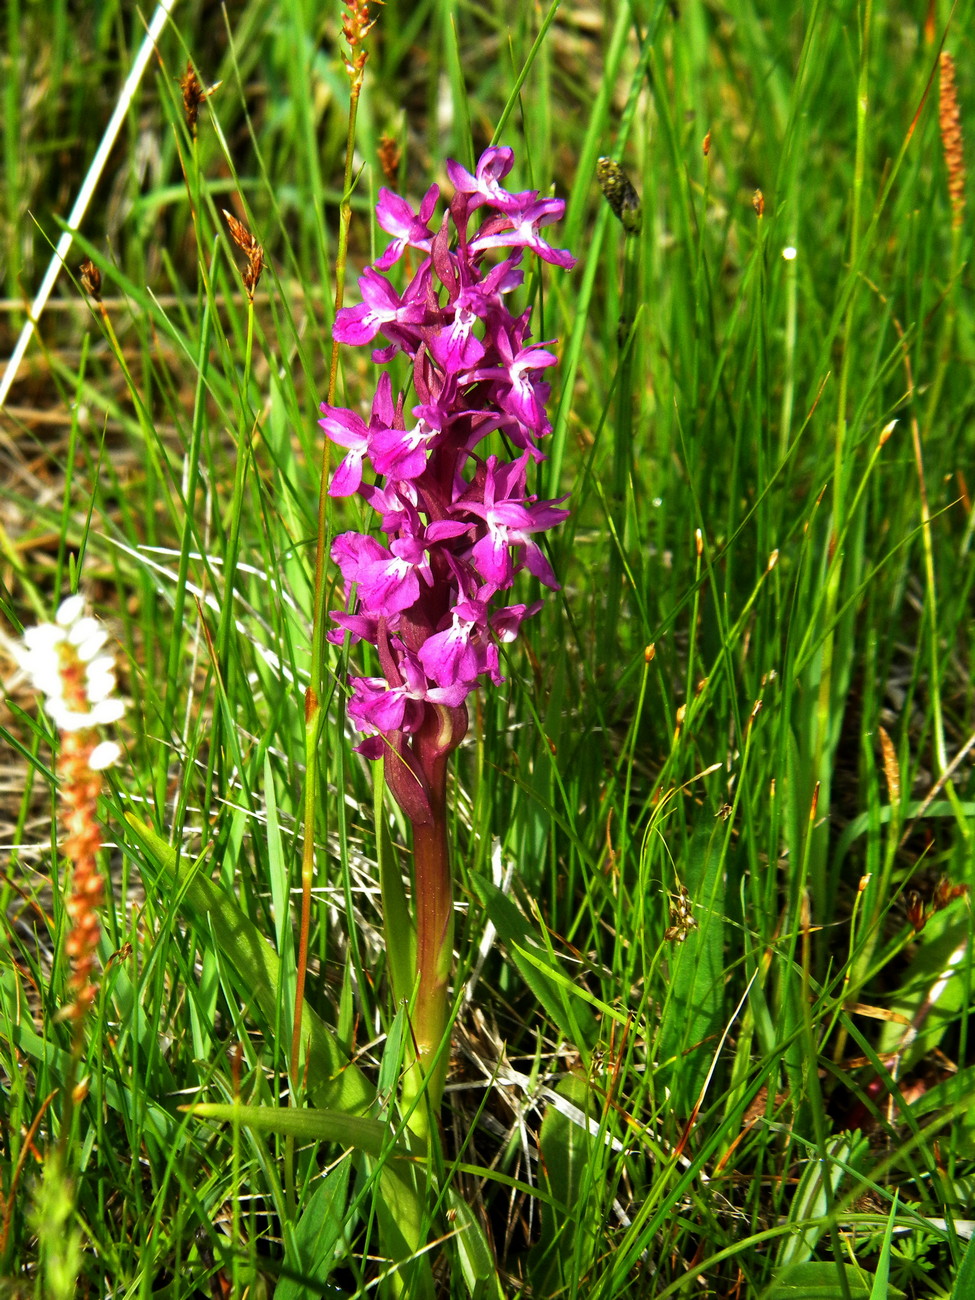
(778, 1102)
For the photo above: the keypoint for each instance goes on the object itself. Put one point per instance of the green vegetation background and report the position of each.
(700, 827)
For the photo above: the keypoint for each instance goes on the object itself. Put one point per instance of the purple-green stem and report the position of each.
(434, 911)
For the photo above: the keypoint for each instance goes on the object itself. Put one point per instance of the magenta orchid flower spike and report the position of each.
(459, 526)
(458, 522)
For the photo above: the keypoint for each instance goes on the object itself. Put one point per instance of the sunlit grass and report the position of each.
(702, 1039)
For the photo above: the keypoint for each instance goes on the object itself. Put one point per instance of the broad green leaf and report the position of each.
(477, 1264)
(964, 1287)
(950, 1094)
(310, 1245)
(819, 1185)
(570, 1159)
(400, 1205)
(819, 1280)
(332, 1078)
(934, 990)
(370, 1136)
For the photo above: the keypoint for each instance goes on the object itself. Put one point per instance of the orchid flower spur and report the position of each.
(459, 523)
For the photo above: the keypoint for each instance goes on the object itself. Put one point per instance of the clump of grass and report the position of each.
(713, 949)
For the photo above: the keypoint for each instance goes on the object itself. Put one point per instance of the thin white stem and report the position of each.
(77, 213)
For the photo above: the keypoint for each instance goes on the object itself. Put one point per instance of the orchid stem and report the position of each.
(434, 952)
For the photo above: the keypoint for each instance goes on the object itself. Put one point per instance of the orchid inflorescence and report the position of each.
(459, 525)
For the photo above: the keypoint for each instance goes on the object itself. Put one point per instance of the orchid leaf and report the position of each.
(371, 1136)
(819, 1280)
(310, 1245)
(400, 1205)
(572, 1159)
(477, 1264)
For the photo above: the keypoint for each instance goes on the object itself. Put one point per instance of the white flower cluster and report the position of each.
(64, 662)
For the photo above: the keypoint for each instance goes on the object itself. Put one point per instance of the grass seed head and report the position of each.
(949, 118)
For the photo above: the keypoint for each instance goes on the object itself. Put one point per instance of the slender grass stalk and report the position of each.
(626, 207)
(829, 673)
(356, 27)
(79, 208)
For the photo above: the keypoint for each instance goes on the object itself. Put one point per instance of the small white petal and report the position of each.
(48, 680)
(43, 637)
(84, 628)
(90, 647)
(99, 686)
(104, 755)
(70, 610)
(66, 719)
(39, 659)
(106, 711)
(789, 253)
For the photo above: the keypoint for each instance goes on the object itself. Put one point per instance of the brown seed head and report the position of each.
(91, 279)
(949, 117)
(389, 157)
(193, 97)
(706, 144)
(248, 245)
(758, 203)
(916, 917)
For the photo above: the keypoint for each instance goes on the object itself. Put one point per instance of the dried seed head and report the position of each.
(193, 97)
(620, 194)
(945, 892)
(706, 144)
(915, 910)
(91, 279)
(949, 117)
(389, 157)
(892, 770)
(681, 918)
(248, 245)
(758, 203)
